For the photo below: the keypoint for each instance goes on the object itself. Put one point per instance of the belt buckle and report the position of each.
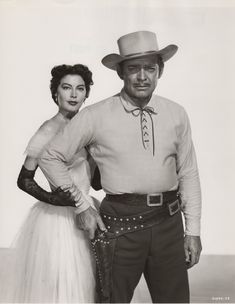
(154, 204)
(172, 209)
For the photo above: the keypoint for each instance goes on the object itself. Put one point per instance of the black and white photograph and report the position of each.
(117, 151)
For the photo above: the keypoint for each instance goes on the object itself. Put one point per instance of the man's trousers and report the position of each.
(158, 252)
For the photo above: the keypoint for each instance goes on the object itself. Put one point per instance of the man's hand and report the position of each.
(192, 248)
(89, 220)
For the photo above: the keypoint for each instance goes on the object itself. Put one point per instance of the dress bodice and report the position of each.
(79, 170)
(78, 167)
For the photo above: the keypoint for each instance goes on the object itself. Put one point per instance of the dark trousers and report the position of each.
(158, 252)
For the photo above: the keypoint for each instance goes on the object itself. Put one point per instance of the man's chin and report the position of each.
(143, 95)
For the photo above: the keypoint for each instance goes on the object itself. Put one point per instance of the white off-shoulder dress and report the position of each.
(52, 259)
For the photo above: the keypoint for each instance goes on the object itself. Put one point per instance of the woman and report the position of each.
(53, 257)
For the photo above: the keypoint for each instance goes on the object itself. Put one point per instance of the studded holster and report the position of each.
(103, 246)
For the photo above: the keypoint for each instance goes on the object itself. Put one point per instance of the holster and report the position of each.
(103, 246)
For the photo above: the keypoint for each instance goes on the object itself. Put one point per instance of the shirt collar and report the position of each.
(129, 105)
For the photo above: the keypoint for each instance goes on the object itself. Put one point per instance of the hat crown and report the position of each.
(137, 43)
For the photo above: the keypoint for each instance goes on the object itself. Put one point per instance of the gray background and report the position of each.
(36, 35)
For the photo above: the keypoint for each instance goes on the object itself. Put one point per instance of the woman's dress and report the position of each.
(52, 259)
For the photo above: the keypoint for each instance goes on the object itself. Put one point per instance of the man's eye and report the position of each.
(133, 69)
(150, 68)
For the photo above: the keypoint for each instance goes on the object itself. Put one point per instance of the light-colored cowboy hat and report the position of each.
(135, 45)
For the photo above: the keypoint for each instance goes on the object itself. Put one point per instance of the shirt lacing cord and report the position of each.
(141, 112)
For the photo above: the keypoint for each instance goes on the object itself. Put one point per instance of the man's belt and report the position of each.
(159, 209)
(155, 199)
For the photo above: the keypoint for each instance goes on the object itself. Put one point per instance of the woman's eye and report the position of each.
(66, 88)
(81, 89)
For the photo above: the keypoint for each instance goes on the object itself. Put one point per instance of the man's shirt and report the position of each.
(143, 151)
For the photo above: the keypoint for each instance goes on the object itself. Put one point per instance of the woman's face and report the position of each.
(71, 94)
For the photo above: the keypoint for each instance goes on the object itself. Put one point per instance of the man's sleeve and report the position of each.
(189, 182)
(72, 138)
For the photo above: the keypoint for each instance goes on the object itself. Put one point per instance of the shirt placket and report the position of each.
(146, 131)
(146, 124)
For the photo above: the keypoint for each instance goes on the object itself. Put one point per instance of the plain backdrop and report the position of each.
(36, 35)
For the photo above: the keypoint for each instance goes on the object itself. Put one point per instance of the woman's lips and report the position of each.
(72, 103)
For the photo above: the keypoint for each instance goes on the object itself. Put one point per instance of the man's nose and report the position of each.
(141, 74)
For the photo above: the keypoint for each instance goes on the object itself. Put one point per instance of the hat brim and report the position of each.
(112, 60)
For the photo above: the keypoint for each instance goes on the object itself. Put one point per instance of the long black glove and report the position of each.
(96, 180)
(27, 183)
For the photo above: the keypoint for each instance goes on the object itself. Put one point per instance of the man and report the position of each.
(143, 147)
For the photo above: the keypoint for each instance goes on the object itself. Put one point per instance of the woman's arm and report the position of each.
(27, 183)
(95, 173)
(96, 179)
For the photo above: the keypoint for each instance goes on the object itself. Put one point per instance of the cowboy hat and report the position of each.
(135, 45)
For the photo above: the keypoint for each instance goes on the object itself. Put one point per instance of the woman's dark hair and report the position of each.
(59, 71)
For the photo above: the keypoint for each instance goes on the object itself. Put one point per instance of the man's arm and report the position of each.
(76, 135)
(190, 190)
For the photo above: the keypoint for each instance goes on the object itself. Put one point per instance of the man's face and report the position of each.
(140, 78)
